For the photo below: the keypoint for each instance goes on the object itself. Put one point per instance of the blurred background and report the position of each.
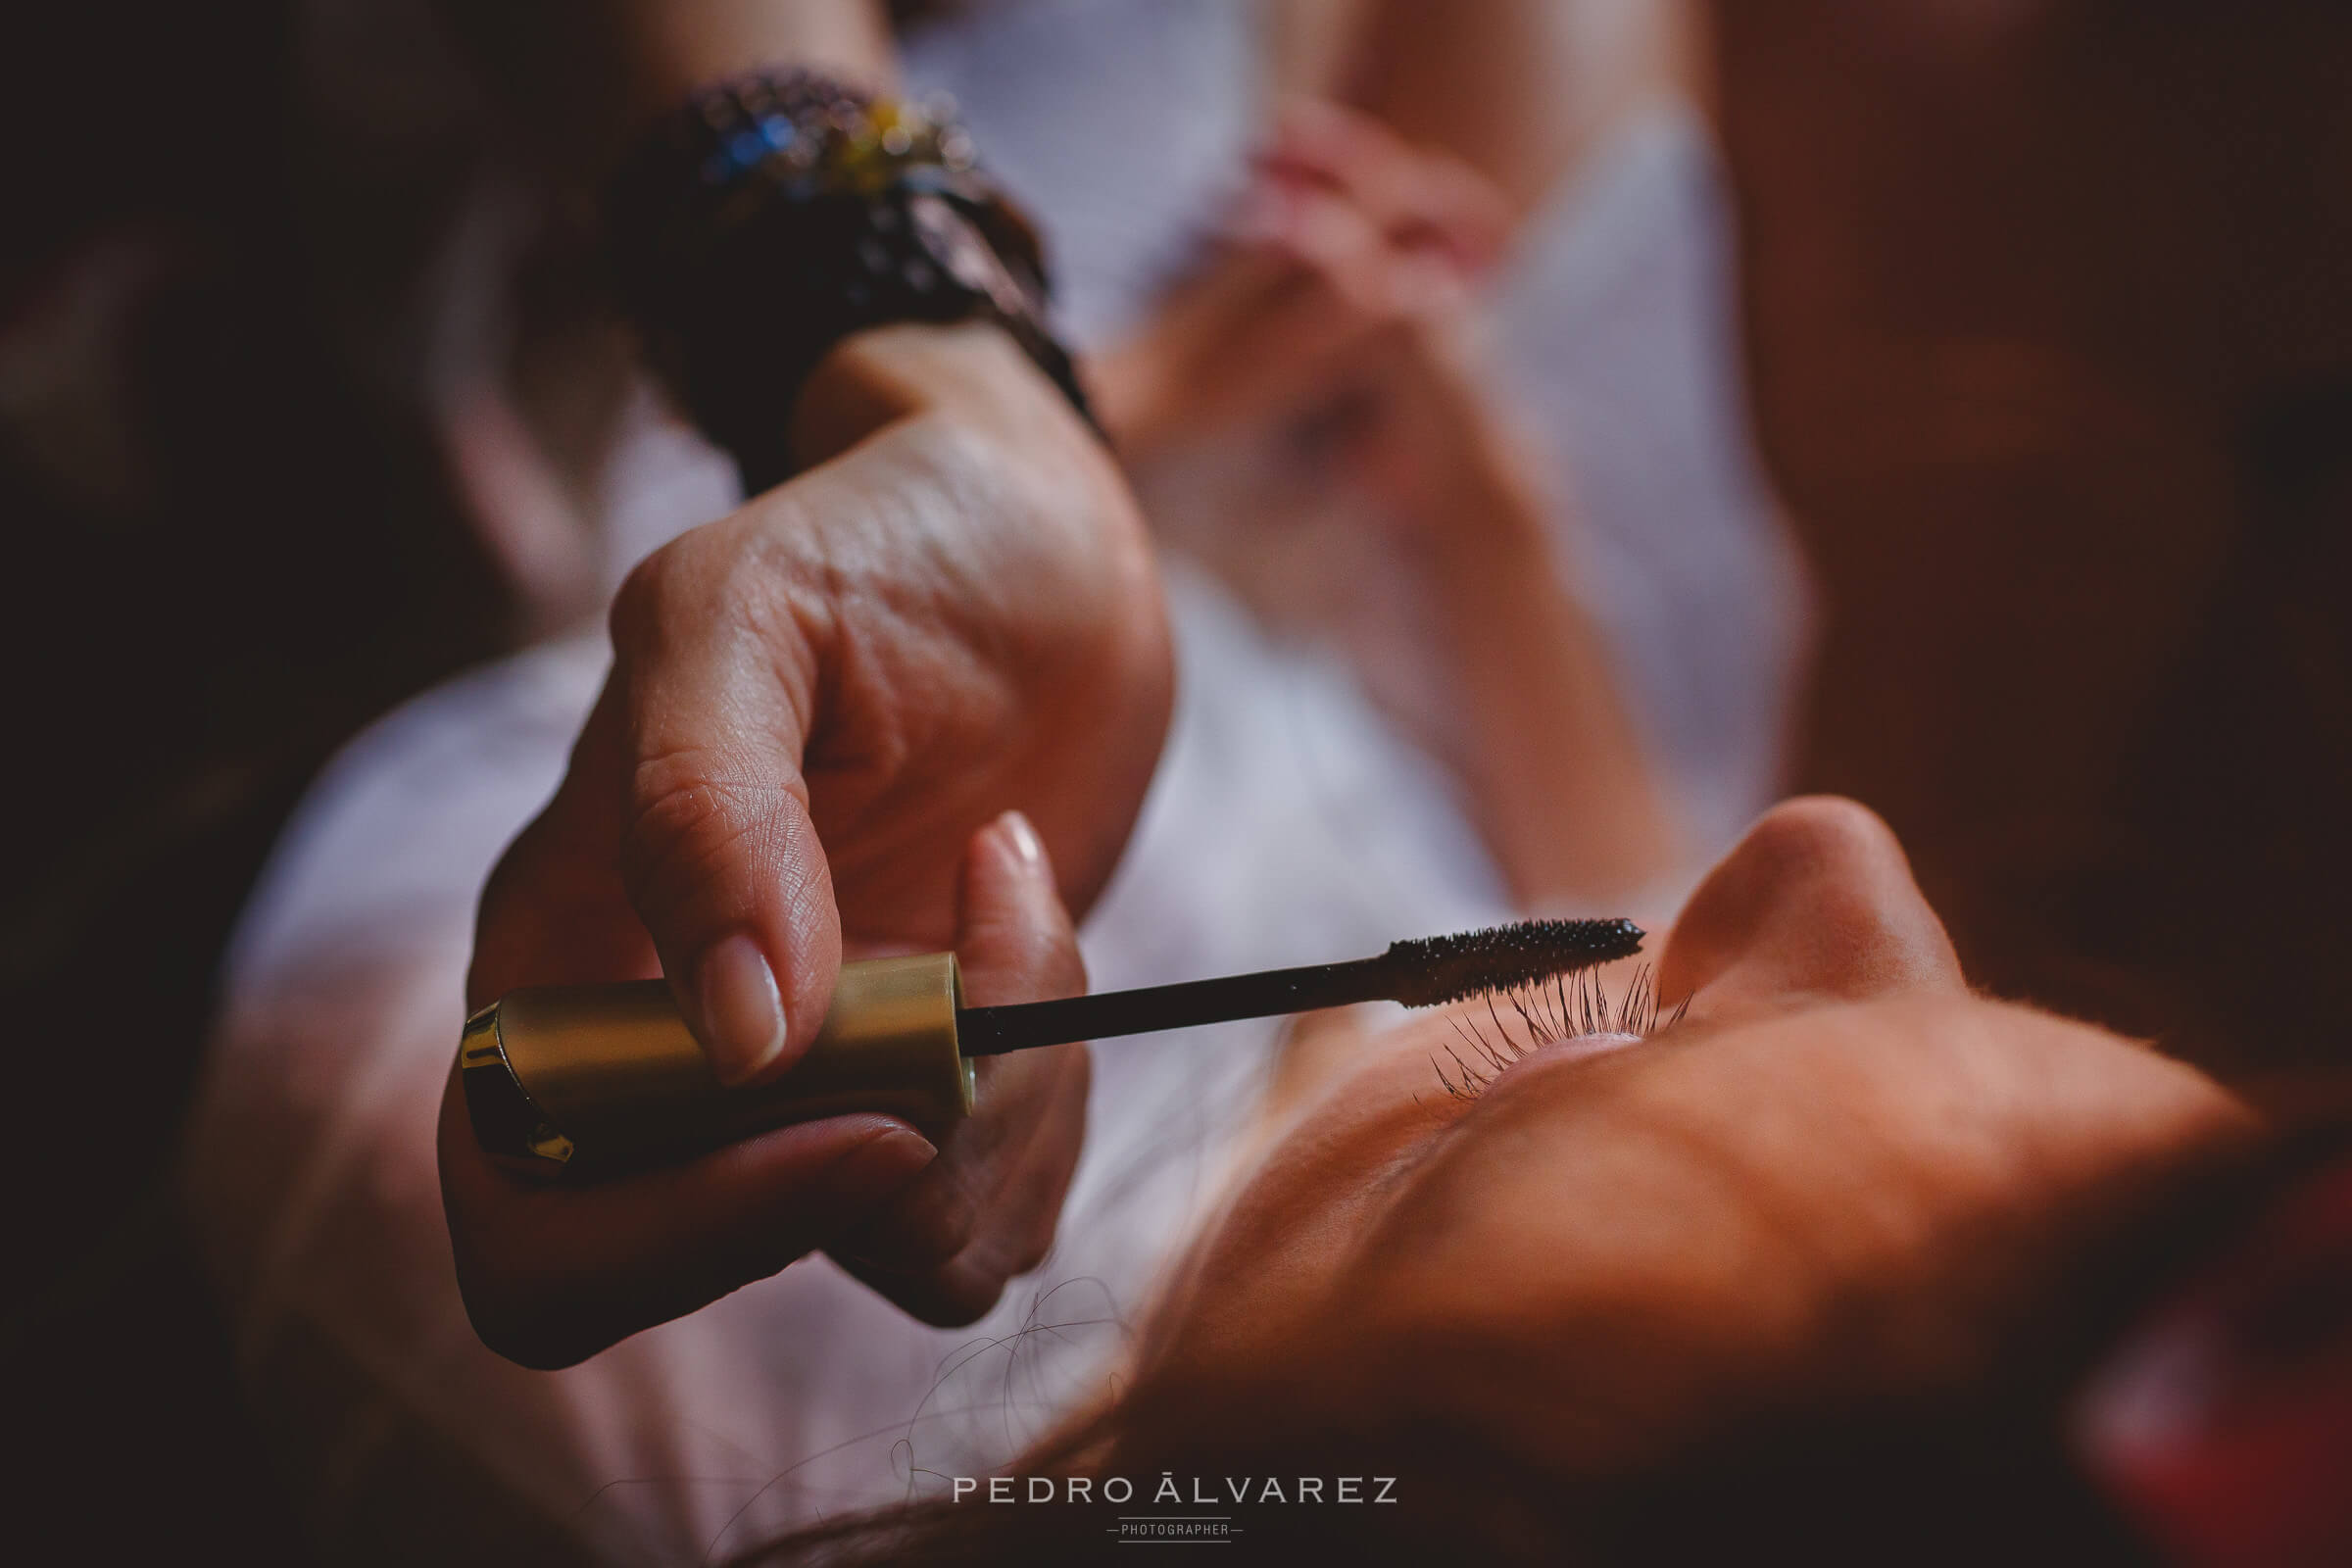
(1947, 402)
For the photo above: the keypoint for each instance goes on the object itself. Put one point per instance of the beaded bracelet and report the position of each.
(773, 215)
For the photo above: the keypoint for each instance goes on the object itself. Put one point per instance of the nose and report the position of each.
(1816, 900)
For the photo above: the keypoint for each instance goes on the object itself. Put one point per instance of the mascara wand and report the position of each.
(1421, 973)
(569, 1080)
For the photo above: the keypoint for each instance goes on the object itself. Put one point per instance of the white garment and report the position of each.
(1288, 823)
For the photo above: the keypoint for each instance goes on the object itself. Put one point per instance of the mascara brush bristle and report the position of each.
(1430, 971)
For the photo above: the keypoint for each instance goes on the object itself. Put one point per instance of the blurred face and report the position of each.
(1842, 1176)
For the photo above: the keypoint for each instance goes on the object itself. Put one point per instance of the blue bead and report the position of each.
(747, 148)
(777, 131)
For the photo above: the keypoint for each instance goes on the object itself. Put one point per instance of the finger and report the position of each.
(1033, 1174)
(1342, 148)
(1416, 198)
(1816, 900)
(945, 1247)
(1346, 254)
(1371, 279)
(1019, 1211)
(551, 1275)
(1014, 941)
(1434, 202)
(715, 691)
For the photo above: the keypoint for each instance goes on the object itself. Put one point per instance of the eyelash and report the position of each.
(1567, 1009)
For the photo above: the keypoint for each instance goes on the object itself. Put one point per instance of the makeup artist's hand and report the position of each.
(813, 704)
(553, 1274)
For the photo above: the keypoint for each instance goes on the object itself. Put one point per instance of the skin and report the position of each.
(1843, 1182)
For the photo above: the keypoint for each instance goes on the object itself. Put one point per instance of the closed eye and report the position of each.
(1563, 1010)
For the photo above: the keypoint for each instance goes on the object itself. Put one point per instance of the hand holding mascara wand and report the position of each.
(583, 1080)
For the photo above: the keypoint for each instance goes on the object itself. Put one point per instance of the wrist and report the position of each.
(775, 216)
(972, 372)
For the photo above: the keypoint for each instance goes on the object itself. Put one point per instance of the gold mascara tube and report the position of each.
(586, 1080)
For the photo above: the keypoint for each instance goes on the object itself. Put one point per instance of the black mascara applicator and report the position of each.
(591, 1079)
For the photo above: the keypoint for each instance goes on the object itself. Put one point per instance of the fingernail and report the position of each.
(1022, 835)
(740, 1014)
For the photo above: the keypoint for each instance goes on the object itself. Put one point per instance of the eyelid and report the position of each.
(1567, 1012)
